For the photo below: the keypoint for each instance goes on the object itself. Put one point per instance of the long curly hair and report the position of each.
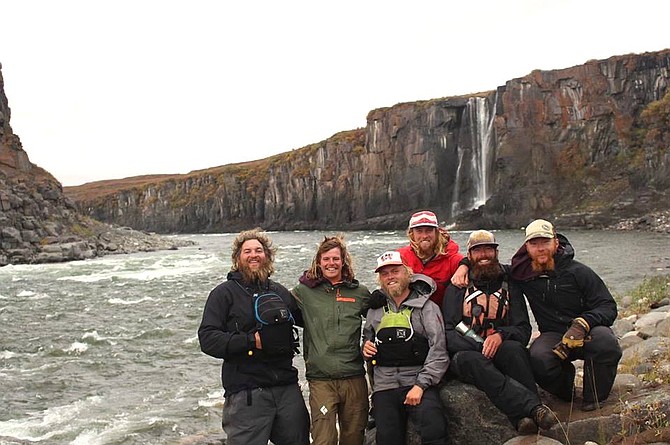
(254, 234)
(327, 244)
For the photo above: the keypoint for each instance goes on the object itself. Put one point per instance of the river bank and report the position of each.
(653, 222)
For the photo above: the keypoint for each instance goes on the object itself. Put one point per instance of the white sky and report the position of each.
(111, 89)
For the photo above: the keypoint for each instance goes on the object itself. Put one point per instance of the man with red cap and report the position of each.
(431, 251)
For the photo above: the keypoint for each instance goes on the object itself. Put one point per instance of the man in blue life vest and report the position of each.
(405, 342)
(493, 356)
(248, 322)
(574, 311)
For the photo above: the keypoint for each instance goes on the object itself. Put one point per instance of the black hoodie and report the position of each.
(571, 290)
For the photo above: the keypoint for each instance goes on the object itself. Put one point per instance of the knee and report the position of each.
(544, 365)
(513, 349)
(465, 361)
(604, 346)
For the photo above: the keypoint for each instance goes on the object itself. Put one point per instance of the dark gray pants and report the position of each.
(391, 416)
(601, 356)
(507, 379)
(277, 413)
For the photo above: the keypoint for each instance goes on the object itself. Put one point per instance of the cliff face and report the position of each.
(38, 223)
(573, 145)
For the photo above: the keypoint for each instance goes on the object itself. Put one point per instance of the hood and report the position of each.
(315, 282)
(522, 270)
(421, 287)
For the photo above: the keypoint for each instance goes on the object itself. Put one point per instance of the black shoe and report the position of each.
(544, 417)
(592, 406)
(526, 427)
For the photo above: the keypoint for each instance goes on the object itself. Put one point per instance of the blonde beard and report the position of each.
(398, 289)
(541, 268)
(250, 276)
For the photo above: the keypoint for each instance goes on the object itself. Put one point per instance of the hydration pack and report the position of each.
(397, 342)
(274, 322)
(484, 313)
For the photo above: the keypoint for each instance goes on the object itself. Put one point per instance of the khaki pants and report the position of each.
(344, 401)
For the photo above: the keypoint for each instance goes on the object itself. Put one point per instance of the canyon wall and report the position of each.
(572, 145)
(39, 224)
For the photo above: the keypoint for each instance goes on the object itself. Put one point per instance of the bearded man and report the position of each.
(495, 358)
(431, 251)
(574, 311)
(248, 322)
(405, 343)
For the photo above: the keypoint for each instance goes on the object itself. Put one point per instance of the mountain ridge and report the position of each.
(568, 144)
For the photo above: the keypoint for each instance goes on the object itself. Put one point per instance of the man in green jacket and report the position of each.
(333, 304)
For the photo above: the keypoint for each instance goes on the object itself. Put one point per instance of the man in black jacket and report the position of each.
(574, 311)
(248, 322)
(493, 356)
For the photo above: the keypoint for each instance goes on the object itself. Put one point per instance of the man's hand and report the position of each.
(414, 395)
(491, 345)
(460, 277)
(257, 336)
(576, 334)
(369, 349)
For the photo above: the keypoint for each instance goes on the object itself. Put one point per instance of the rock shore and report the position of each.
(99, 240)
(652, 222)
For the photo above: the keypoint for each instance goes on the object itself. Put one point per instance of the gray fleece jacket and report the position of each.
(426, 320)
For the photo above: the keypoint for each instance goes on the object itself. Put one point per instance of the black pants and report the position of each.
(507, 379)
(391, 415)
(601, 356)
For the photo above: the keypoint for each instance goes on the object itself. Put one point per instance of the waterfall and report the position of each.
(376, 128)
(475, 156)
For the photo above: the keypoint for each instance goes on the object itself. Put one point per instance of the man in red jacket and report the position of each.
(431, 251)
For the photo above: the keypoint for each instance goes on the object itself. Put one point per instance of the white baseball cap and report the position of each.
(390, 258)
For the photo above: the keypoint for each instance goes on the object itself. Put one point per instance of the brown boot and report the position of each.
(544, 417)
(526, 427)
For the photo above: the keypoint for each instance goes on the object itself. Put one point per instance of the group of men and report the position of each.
(435, 311)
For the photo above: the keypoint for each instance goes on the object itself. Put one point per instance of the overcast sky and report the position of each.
(111, 89)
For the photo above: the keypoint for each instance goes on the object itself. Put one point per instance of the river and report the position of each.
(105, 351)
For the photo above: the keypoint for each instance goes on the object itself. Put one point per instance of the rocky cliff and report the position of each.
(586, 146)
(38, 223)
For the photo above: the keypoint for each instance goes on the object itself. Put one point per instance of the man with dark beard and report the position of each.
(495, 359)
(574, 311)
(404, 341)
(248, 322)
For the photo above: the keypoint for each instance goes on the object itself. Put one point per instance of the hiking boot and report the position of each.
(592, 406)
(526, 427)
(544, 417)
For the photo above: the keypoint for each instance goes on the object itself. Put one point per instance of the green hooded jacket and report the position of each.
(333, 316)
